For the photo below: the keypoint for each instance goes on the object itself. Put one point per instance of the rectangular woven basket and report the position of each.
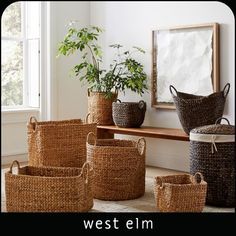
(180, 193)
(49, 189)
(58, 143)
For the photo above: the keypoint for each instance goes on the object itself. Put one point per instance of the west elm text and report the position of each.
(114, 224)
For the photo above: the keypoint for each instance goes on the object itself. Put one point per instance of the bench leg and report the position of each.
(104, 134)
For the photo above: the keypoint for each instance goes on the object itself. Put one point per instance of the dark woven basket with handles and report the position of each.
(212, 152)
(194, 111)
(128, 114)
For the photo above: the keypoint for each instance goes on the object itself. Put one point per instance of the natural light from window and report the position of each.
(20, 55)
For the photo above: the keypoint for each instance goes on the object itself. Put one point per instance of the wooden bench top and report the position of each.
(147, 131)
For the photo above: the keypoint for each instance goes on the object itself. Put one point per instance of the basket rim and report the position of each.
(48, 168)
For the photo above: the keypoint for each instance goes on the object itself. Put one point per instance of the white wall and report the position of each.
(131, 23)
(71, 98)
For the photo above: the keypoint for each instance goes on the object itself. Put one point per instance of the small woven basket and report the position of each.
(194, 111)
(119, 167)
(212, 152)
(128, 114)
(180, 193)
(49, 189)
(58, 143)
(100, 107)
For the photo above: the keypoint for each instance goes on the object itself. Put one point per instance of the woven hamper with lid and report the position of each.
(58, 143)
(180, 193)
(49, 189)
(119, 167)
(212, 152)
(194, 110)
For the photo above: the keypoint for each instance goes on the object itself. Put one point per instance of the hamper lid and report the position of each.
(221, 129)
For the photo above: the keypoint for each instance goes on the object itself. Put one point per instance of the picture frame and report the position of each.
(186, 57)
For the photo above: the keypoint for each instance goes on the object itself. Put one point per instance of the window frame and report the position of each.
(26, 64)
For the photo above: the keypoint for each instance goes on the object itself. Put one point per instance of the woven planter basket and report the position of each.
(180, 193)
(49, 189)
(58, 143)
(100, 108)
(194, 111)
(119, 167)
(212, 152)
(128, 114)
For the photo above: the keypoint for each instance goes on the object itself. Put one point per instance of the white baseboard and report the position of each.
(5, 160)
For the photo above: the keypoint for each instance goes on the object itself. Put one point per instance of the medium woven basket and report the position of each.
(180, 193)
(58, 143)
(100, 107)
(212, 152)
(119, 167)
(194, 111)
(128, 114)
(49, 189)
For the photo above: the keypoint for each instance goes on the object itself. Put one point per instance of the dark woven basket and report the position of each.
(212, 152)
(194, 111)
(128, 114)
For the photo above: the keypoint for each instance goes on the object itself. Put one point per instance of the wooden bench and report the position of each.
(108, 131)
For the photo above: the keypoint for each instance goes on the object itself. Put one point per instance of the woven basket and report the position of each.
(194, 111)
(49, 189)
(100, 107)
(119, 167)
(128, 114)
(180, 193)
(58, 143)
(212, 152)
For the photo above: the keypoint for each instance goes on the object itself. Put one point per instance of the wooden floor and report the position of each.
(143, 204)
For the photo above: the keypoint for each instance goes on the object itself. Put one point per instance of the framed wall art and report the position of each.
(186, 57)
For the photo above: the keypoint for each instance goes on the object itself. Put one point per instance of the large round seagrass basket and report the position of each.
(100, 107)
(49, 189)
(180, 193)
(119, 167)
(194, 111)
(128, 114)
(58, 143)
(212, 152)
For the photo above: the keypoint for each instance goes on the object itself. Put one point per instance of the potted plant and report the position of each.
(103, 86)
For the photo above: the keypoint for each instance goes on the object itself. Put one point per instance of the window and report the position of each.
(20, 55)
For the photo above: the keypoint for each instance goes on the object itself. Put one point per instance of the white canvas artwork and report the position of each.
(184, 60)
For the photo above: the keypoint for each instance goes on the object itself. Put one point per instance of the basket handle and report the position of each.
(85, 171)
(222, 118)
(33, 120)
(172, 87)
(86, 118)
(91, 135)
(161, 182)
(141, 105)
(118, 100)
(142, 144)
(201, 177)
(17, 164)
(226, 89)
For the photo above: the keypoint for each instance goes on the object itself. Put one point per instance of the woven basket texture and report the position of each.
(128, 114)
(58, 143)
(218, 167)
(49, 189)
(180, 193)
(195, 111)
(100, 108)
(119, 167)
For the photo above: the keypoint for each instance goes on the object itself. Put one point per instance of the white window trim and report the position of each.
(47, 88)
